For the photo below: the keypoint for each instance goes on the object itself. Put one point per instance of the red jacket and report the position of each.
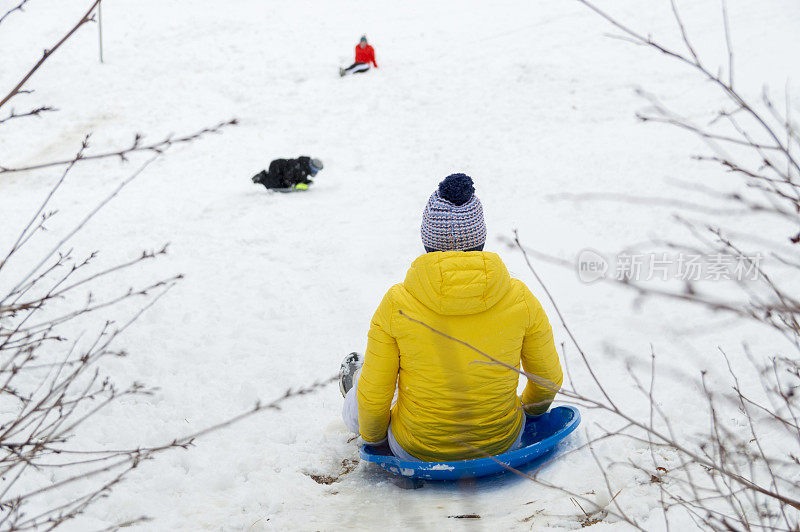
(365, 55)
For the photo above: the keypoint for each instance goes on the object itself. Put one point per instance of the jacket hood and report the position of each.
(458, 283)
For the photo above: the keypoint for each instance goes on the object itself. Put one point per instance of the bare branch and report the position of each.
(87, 17)
(19, 7)
(156, 148)
(33, 112)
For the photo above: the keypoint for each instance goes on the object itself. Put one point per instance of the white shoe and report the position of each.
(347, 371)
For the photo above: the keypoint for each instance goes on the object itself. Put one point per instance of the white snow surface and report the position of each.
(532, 99)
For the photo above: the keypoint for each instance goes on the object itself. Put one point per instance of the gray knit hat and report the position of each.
(453, 218)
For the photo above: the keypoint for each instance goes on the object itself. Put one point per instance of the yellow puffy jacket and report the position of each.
(453, 403)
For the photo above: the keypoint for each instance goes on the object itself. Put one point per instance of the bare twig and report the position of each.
(86, 18)
(19, 7)
(33, 112)
(156, 148)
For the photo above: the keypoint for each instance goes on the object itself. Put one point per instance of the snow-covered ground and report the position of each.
(532, 99)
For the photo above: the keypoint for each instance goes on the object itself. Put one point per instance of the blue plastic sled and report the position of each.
(541, 435)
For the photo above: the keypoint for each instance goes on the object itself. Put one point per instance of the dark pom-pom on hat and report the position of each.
(457, 189)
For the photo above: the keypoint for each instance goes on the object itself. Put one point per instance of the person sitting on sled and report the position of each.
(451, 403)
(365, 54)
(289, 173)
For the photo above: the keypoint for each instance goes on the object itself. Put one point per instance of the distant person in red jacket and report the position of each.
(365, 54)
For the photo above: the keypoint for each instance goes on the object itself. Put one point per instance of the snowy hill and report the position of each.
(532, 99)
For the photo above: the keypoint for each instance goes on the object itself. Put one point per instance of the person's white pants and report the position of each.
(356, 68)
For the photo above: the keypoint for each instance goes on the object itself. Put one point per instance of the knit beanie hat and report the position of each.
(453, 218)
(315, 165)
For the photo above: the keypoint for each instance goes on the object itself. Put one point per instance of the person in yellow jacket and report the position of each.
(451, 403)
